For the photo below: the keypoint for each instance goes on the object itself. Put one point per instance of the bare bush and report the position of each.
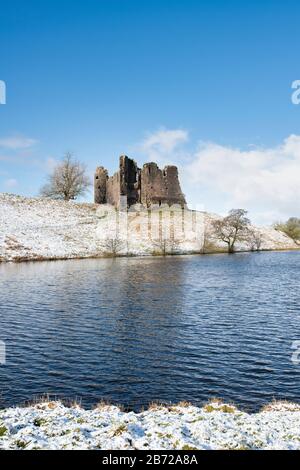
(112, 246)
(208, 244)
(166, 246)
(254, 240)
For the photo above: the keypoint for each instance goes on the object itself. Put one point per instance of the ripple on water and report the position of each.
(138, 330)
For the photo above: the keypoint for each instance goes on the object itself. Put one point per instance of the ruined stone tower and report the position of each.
(100, 179)
(132, 185)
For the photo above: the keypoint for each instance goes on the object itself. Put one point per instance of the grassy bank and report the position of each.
(52, 425)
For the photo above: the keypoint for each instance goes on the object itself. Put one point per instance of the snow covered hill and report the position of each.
(38, 229)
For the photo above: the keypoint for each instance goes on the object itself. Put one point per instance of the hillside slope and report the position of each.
(34, 229)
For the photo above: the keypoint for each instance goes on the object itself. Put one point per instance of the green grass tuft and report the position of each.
(3, 431)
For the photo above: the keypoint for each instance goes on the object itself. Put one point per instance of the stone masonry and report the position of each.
(132, 185)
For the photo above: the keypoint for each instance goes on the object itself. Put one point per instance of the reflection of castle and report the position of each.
(132, 185)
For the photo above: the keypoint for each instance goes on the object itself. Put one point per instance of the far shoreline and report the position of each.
(147, 256)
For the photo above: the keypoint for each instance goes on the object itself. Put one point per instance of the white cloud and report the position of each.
(17, 142)
(10, 183)
(263, 180)
(160, 145)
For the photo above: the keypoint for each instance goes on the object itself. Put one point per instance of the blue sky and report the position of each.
(210, 78)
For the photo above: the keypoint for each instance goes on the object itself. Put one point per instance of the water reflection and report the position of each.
(138, 330)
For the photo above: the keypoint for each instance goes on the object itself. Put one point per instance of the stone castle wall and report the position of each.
(131, 185)
(113, 190)
(100, 186)
(160, 186)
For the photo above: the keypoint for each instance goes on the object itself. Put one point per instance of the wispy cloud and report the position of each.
(165, 140)
(159, 146)
(17, 142)
(10, 183)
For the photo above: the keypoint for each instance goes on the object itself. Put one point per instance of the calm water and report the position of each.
(138, 330)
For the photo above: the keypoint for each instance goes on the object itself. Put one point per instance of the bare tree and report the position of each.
(233, 228)
(254, 240)
(112, 246)
(68, 180)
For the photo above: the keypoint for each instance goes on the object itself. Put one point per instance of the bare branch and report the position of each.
(112, 246)
(254, 240)
(167, 245)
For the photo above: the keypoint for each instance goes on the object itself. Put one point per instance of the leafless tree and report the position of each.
(112, 245)
(68, 180)
(254, 240)
(167, 246)
(233, 228)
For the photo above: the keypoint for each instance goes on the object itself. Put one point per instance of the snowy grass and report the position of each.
(217, 425)
(39, 229)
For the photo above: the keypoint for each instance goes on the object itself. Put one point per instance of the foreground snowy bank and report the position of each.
(51, 425)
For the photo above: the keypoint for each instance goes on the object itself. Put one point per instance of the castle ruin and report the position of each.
(132, 185)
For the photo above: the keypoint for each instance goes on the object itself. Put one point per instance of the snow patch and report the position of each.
(51, 425)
